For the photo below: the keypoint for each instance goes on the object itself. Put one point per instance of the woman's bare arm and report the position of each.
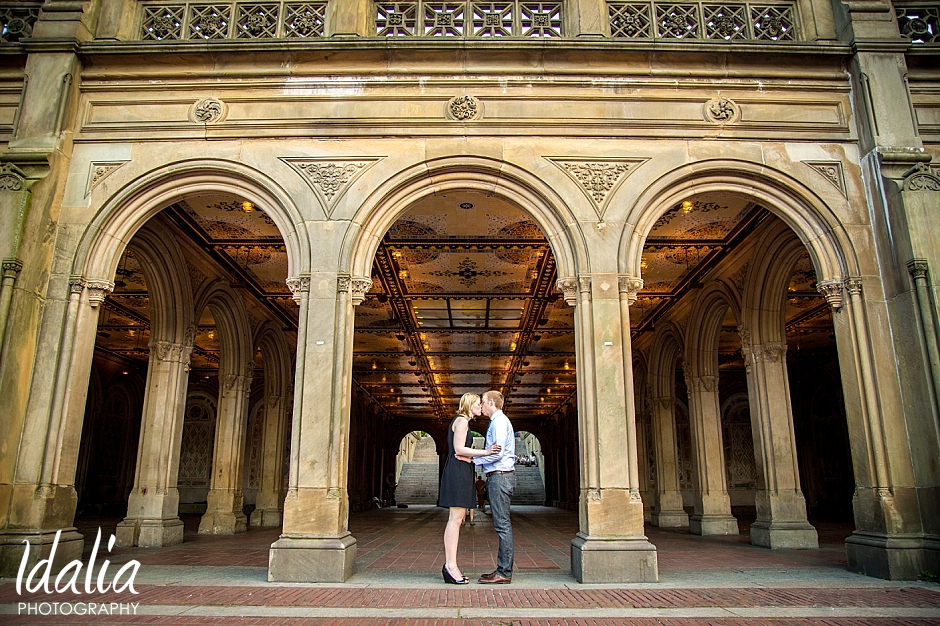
(461, 426)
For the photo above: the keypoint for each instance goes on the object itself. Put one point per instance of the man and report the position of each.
(500, 483)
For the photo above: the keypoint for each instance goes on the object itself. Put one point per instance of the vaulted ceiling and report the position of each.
(463, 296)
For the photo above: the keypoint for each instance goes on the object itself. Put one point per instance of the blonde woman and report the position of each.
(457, 491)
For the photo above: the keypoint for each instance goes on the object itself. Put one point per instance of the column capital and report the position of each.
(569, 289)
(170, 352)
(833, 291)
(706, 384)
(97, 289)
(770, 352)
(853, 284)
(11, 267)
(630, 286)
(298, 286)
(917, 268)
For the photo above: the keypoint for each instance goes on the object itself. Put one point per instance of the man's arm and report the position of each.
(503, 436)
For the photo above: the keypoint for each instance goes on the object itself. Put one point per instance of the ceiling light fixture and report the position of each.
(687, 206)
(248, 206)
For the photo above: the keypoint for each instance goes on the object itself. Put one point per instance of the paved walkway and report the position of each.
(703, 580)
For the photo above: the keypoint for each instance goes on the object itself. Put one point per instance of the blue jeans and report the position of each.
(499, 488)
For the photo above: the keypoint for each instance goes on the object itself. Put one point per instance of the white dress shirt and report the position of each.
(500, 431)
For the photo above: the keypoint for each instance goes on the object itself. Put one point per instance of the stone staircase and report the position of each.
(419, 479)
(529, 487)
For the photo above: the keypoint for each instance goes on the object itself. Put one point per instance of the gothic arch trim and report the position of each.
(231, 320)
(394, 196)
(708, 311)
(814, 222)
(121, 215)
(765, 287)
(667, 344)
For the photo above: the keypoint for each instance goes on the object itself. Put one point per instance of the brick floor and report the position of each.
(409, 540)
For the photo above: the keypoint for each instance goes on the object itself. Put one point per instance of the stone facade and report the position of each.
(597, 118)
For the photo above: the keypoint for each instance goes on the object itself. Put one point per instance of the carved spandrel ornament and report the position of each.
(11, 178)
(922, 178)
(831, 171)
(464, 109)
(330, 178)
(98, 171)
(722, 111)
(599, 177)
(208, 111)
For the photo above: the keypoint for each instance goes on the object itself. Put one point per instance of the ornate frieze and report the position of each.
(208, 111)
(831, 171)
(722, 111)
(728, 21)
(464, 108)
(329, 178)
(598, 178)
(630, 286)
(833, 291)
(298, 286)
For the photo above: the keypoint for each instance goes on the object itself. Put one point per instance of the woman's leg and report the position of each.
(451, 536)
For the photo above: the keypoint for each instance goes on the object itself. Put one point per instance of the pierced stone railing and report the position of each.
(509, 18)
(730, 21)
(920, 22)
(18, 20)
(211, 21)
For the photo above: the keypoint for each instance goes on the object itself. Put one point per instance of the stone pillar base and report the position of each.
(265, 517)
(69, 548)
(223, 523)
(670, 519)
(312, 559)
(149, 533)
(792, 535)
(624, 560)
(892, 557)
(713, 525)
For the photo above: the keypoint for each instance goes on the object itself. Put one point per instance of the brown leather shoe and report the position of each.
(495, 579)
(488, 576)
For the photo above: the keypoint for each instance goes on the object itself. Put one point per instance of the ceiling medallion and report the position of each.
(208, 111)
(722, 111)
(831, 171)
(464, 108)
(329, 178)
(598, 178)
(467, 272)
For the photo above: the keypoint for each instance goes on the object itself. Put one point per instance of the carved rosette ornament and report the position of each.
(358, 288)
(922, 178)
(833, 292)
(631, 287)
(11, 178)
(298, 286)
(569, 289)
(98, 291)
(464, 108)
(208, 111)
(722, 111)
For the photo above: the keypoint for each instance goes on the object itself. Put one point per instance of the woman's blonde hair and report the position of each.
(467, 400)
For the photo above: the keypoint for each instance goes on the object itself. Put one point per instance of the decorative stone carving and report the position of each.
(168, 351)
(853, 285)
(11, 267)
(770, 352)
(665, 403)
(76, 285)
(917, 268)
(329, 178)
(342, 283)
(332, 493)
(833, 291)
(569, 289)
(208, 111)
(707, 384)
(922, 178)
(97, 291)
(11, 178)
(464, 108)
(598, 178)
(722, 111)
(831, 171)
(593, 495)
(98, 171)
(298, 286)
(745, 335)
(630, 286)
(584, 284)
(358, 289)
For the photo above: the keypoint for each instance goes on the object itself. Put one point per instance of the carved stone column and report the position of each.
(316, 545)
(610, 546)
(781, 509)
(669, 512)
(224, 515)
(712, 514)
(268, 501)
(153, 505)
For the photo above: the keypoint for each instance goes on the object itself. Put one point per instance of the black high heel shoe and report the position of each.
(451, 580)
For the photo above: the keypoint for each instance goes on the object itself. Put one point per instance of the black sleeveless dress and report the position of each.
(457, 481)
